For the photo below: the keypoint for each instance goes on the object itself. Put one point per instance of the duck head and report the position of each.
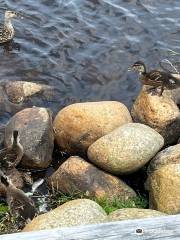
(138, 67)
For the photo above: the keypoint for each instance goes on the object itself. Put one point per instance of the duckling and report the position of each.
(21, 207)
(11, 156)
(7, 31)
(155, 78)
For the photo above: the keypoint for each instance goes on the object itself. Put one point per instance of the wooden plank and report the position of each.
(165, 228)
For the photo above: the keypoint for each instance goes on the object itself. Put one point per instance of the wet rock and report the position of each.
(133, 213)
(79, 125)
(19, 91)
(164, 189)
(126, 149)
(75, 174)
(72, 213)
(36, 136)
(170, 155)
(160, 113)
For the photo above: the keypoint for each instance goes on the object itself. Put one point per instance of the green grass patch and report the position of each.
(58, 198)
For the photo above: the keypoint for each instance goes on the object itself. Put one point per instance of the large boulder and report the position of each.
(72, 213)
(36, 136)
(164, 189)
(133, 213)
(159, 112)
(170, 155)
(126, 149)
(75, 174)
(79, 125)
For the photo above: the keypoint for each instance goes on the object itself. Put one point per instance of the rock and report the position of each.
(170, 155)
(79, 125)
(19, 91)
(72, 213)
(164, 189)
(36, 136)
(126, 149)
(3, 190)
(75, 174)
(133, 213)
(160, 113)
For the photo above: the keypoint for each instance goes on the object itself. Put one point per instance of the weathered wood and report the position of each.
(166, 228)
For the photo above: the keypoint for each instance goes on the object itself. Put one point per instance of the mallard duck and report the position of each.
(11, 156)
(7, 30)
(155, 78)
(21, 206)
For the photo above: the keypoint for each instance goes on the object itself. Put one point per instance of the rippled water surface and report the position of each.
(84, 47)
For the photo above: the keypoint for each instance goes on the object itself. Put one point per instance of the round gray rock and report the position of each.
(126, 149)
(72, 213)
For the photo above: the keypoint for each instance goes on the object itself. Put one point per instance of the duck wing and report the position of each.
(5, 35)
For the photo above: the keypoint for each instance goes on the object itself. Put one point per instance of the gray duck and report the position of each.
(7, 30)
(21, 206)
(155, 78)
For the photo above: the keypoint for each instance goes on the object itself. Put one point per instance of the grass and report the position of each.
(58, 198)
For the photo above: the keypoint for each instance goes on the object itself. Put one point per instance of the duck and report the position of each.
(11, 156)
(155, 78)
(21, 206)
(7, 30)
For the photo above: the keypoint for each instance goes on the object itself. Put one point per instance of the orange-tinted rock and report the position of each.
(159, 112)
(75, 174)
(164, 189)
(79, 125)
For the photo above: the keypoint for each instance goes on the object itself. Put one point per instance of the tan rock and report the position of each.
(133, 213)
(75, 174)
(126, 149)
(164, 189)
(160, 113)
(36, 136)
(18, 91)
(170, 155)
(79, 125)
(72, 213)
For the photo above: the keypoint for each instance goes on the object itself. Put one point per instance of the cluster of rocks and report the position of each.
(105, 141)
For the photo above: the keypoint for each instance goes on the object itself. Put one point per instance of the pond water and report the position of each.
(84, 47)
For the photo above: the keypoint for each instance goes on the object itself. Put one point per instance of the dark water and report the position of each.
(84, 47)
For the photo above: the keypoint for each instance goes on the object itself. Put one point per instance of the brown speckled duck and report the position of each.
(7, 30)
(155, 78)
(11, 156)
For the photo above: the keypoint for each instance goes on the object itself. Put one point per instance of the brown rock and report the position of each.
(133, 213)
(72, 213)
(170, 155)
(3, 190)
(126, 149)
(79, 125)
(164, 189)
(75, 174)
(160, 113)
(36, 136)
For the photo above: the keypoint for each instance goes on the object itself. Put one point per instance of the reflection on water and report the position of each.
(84, 47)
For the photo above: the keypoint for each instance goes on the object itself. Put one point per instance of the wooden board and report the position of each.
(165, 228)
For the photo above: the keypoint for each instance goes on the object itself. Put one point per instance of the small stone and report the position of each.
(36, 136)
(133, 213)
(78, 125)
(77, 175)
(164, 189)
(72, 213)
(126, 149)
(160, 113)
